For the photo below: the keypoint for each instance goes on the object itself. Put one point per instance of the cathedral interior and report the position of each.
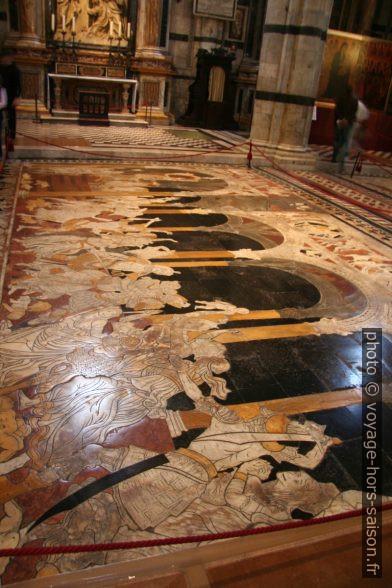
(195, 317)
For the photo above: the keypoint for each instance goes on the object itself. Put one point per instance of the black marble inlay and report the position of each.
(90, 490)
(321, 358)
(301, 382)
(178, 37)
(206, 183)
(286, 98)
(264, 288)
(209, 241)
(180, 401)
(295, 30)
(338, 469)
(349, 455)
(186, 438)
(340, 422)
(205, 39)
(267, 390)
(247, 378)
(347, 349)
(232, 398)
(268, 322)
(186, 220)
(186, 200)
(296, 366)
(297, 513)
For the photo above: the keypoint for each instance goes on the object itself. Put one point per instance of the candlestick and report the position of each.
(111, 29)
(128, 30)
(119, 29)
(63, 23)
(73, 25)
(53, 23)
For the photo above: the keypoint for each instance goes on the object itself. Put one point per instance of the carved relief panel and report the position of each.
(96, 22)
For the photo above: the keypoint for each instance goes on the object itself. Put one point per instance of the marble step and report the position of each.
(72, 117)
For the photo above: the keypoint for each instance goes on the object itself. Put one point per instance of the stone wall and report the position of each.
(187, 34)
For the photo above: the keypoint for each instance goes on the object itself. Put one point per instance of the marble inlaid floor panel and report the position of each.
(180, 353)
(63, 134)
(360, 203)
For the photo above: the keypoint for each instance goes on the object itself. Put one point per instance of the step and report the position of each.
(72, 117)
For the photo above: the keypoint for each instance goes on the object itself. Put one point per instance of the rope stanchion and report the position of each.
(249, 156)
(357, 164)
(63, 549)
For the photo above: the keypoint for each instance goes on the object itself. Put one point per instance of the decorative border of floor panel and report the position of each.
(365, 221)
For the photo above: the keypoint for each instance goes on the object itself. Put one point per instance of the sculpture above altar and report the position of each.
(93, 22)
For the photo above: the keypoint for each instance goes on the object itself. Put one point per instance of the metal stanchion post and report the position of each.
(37, 118)
(249, 157)
(356, 163)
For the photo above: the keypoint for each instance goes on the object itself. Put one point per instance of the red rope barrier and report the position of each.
(130, 158)
(226, 149)
(313, 185)
(374, 159)
(59, 549)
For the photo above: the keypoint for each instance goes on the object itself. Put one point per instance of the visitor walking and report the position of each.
(3, 105)
(345, 112)
(11, 81)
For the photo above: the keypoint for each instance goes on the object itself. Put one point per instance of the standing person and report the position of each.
(345, 112)
(3, 104)
(11, 79)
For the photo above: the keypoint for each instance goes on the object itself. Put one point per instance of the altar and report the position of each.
(67, 88)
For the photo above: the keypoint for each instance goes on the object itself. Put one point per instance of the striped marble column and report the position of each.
(152, 62)
(289, 70)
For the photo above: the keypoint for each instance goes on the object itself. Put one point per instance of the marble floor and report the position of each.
(180, 351)
(61, 134)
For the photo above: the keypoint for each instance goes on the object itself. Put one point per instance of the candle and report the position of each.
(119, 29)
(111, 30)
(73, 25)
(63, 22)
(128, 30)
(53, 23)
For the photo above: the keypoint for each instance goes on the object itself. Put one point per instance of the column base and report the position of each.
(288, 156)
(25, 40)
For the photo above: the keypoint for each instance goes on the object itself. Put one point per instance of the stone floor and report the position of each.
(180, 350)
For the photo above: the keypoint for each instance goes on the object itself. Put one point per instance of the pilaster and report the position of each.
(151, 62)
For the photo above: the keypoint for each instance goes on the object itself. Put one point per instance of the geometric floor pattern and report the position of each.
(199, 325)
(113, 135)
(325, 153)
